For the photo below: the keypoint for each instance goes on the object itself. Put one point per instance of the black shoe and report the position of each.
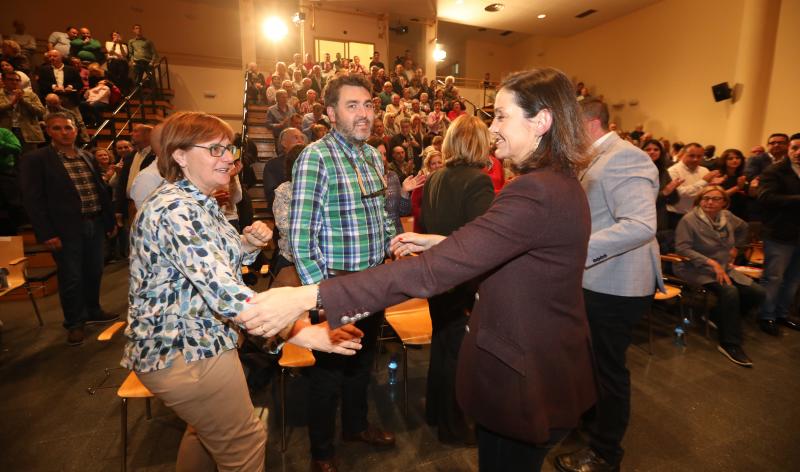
(791, 324)
(102, 317)
(735, 354)
(769, 327)
(75, 336)
(372, 436)
(584, 460)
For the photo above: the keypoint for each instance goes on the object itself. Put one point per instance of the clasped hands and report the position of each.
(272, 311)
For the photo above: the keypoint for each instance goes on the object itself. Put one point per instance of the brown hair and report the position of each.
(334, 86)
(426, 162)
(565, 146)
(183, 130)
(466, 143)
(712, 188)
(596, 109)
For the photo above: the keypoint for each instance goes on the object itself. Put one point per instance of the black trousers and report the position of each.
(334, 375)
(611, 321)
(449, 321)
(733, 302)
(498, 453)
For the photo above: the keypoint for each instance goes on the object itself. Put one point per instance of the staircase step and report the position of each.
(251, 130)
(252, 135)
(261, 108)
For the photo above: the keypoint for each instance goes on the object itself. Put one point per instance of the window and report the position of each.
(347, 49)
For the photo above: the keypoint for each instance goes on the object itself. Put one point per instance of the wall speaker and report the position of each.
(721, 91)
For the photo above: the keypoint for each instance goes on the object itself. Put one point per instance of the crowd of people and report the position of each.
(538, 240)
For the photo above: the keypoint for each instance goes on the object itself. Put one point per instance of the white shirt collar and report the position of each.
(602, 139)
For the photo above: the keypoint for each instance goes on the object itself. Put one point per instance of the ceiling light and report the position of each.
(542, 16)
(494, 7)
(274, 28)
(439, 54)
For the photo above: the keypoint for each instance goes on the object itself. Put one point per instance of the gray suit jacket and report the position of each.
(621, 184)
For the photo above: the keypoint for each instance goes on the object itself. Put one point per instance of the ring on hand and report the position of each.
(263, 330)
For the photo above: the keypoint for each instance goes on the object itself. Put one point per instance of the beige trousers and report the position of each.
(211, 396)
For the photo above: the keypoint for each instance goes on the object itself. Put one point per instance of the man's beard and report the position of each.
(348, 130)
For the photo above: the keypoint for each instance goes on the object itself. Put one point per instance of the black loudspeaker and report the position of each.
(721, 91)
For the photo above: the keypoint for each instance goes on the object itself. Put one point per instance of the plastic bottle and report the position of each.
(680, 335)
(392, 368)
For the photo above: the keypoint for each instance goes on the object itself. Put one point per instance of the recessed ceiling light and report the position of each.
(494, 7)
(542, 16)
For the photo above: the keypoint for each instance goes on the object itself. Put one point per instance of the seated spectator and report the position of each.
(398, 196)
(297, 80)
(305, 88)
(117, 56)
(97, 101)
(52, 104)
(456, 111)
(25, 81)
(396, 106)
(356, 67)
(327, 60)
(308, 64)
(424, 103)
(376, 105)
(83, 71)
(390, 125)
(709, 236)
(108, 170)
(398, 163)
(282, 72)
(328, 71)
(96, 74)
(418, 130)
(437, 119)
(412, 146)
(274, 86)
(283, 263)
(27, 42)
(386, 95)
(317, 81)
(20, 112)
(318, 132)
(61, 40)
(87, 48)
(274, 170)
(60, 79)
(731, 166)
(436, 145)
(297, 66)
(314, 117)
(12, 54)
(256, 85)
(278, 115)
(694, 176)
(379, 132)
(450, 92)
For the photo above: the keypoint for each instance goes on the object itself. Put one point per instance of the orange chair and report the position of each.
(411, 320)
(13, 260)
(292, 357)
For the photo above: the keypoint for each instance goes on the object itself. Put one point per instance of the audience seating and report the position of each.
(292, 357)
(411, 320)
(13, 259)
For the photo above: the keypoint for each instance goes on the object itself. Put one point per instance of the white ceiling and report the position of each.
(518, 15)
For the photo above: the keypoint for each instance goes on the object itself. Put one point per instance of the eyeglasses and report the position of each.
(218, 150)
(712, 199)
(360, 178)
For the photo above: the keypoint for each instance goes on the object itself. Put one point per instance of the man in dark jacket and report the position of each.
(70, 209)
(779, 196)
(61, 79)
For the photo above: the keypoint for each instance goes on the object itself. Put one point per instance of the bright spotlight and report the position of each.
(439, 54)
(274, 28)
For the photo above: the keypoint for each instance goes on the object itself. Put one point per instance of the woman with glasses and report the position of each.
(525, 366)
(709, 236)
(185, 281)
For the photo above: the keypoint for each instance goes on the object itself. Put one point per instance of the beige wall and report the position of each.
(784, 102)
(213, 90)
(663, 58)
(338, 26)
(482, 57)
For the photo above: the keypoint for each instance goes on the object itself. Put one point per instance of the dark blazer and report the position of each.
(50, 197)
(525, 366)
(779, 196)
(453, 196)
(274, 175)
(121, 202)
(47, 79)
(757, 164)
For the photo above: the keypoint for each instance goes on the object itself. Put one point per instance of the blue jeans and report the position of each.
(781, 278)
(80, 269)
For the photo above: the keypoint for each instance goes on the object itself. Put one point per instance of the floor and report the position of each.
(692, 409)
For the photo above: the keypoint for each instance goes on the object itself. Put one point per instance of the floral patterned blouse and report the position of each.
(185, 277)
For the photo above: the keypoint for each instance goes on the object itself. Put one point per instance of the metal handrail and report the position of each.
(244, 110)
(137, 92)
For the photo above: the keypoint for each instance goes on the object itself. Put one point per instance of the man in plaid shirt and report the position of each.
(338, 225)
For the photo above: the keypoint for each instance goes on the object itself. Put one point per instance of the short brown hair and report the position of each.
(182, 131)
(596, 109)
(709, 189)
(466, 143)
(334, 86)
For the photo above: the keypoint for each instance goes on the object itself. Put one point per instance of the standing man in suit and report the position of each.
(60, 79)
(132, 164)
(621, 275)
(70, 210)
(338, 225)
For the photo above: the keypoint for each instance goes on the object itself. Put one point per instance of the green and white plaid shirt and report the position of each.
(331, 225)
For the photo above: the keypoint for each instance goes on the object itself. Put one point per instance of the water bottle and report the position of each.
(680, 335)
(392, 368)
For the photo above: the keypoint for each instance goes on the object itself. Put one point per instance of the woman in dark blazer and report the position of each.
(453, 197)
(525, 366)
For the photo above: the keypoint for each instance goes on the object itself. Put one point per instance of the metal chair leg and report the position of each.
(35, 306)
(283, 409)
(405, 380)
(124, 434)
(148, 412)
